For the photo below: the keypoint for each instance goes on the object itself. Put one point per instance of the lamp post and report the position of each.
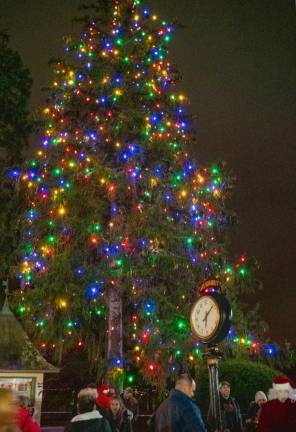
(213, 355)
(210, 320)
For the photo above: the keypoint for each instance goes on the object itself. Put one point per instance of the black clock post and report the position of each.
(213, 355)
(210, 321)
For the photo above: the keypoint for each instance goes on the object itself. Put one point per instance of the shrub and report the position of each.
(246, 378)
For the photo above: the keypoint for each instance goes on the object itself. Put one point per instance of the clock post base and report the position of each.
(213, 355)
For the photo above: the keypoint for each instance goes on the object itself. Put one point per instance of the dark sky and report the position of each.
(238, 61)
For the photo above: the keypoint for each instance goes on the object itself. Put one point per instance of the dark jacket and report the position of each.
(89, 422)
(252, 417)
(177, 413)
(121, 423)
(133, 406)
(231, 415)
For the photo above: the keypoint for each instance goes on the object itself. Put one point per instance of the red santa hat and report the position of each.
(103, 399)
(282, 382)
(103, 389)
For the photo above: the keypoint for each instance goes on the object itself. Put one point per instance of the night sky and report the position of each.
(238, 62)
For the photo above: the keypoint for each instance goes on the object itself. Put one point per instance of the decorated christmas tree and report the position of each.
(122, 225)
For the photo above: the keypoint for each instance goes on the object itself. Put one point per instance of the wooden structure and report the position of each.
(22, 367)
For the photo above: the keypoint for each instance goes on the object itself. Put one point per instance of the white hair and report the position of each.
(88, 392)
(274, 393)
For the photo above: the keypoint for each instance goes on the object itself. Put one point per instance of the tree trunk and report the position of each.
(114, 344)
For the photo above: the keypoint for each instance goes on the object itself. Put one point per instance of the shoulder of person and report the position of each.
(187, 404)
(234, 401)
(105, 425)
(127, 414)
(72, 427)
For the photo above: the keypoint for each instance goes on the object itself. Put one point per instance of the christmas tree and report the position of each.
(122, 225)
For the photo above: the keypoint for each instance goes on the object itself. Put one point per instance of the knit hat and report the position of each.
(260, 395)
(282, 382)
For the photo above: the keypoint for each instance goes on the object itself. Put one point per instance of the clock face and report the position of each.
(205, 317)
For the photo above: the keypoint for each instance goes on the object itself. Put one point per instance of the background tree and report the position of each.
(122, 224)
(15, 128)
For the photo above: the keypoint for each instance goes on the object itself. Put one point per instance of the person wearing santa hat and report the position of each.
(279, 413)
(104, 399)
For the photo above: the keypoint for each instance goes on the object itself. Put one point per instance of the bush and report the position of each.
(246, 378)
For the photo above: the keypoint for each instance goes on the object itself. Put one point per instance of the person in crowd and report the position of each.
(104, 399)
(254, 411)
(88, 419)
(26, 402)
(131, 403)
(8, 411)
(93, 388)
(118, 416)
(25, 421)
(279, 413)
(178, 413)
(230, 410)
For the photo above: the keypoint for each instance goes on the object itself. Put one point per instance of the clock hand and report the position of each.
(206, 316)
(209, 311)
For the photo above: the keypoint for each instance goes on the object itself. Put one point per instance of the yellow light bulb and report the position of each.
(62, 211)
(62, 303)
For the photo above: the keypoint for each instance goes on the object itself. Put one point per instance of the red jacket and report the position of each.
(276, 416)
(25, 422)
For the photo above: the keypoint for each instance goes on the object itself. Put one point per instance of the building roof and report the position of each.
(17, 353)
